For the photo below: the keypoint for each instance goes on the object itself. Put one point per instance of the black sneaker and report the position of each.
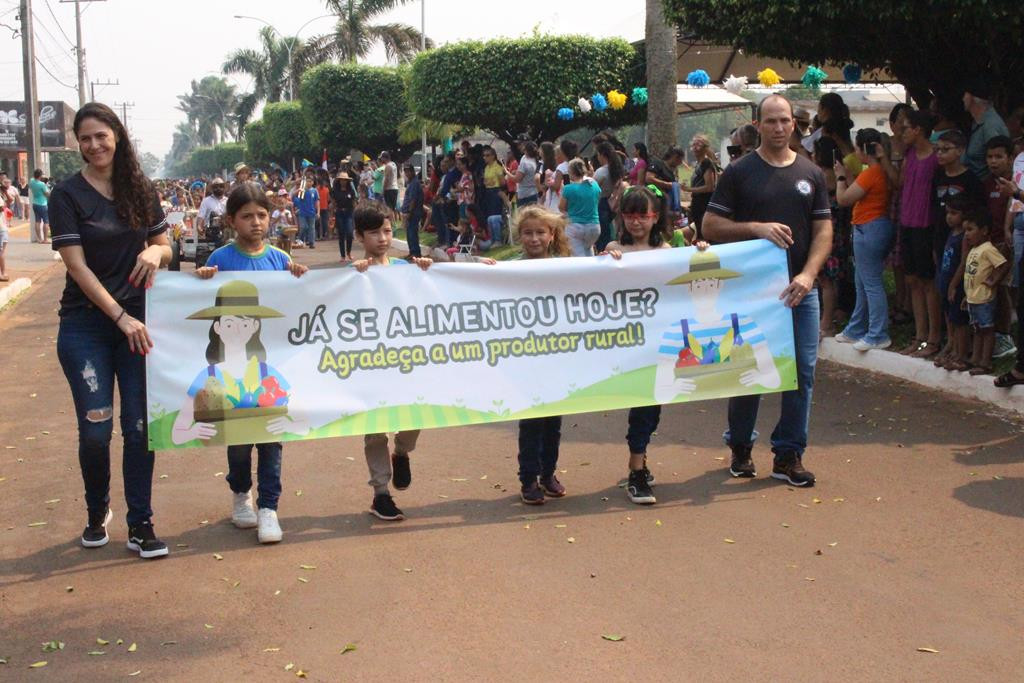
(648, 476)
(384, 508)
(401, 474)
(789, 467)
(95, 535)
(638, 490)
(742, 464)
(531, 494)
(143, 540)
(552, 487)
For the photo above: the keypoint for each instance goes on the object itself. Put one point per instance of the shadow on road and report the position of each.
(1002, 496)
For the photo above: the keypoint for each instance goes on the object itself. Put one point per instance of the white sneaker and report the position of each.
(843, 339)
(1004, 346)
(862, 345)
(270, 530)
(243, 515)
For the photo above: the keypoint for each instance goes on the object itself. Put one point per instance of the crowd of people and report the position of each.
(935, 203)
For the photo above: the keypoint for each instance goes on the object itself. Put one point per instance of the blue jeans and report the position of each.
(412, 232)
(539, 438)
(93, 352)
(493, 209)
(344, 225)
(870, 318)
(307, 229)
(790, 434)
(643, 422)
(323, 226)
(439, 219)
(268, 472)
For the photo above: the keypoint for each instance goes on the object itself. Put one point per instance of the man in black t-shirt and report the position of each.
(664, 174)
(777, 195)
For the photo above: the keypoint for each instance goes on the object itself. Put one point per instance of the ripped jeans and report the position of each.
(92, 352)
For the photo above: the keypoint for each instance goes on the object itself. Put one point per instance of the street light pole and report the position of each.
(423, 47)
(289, 45)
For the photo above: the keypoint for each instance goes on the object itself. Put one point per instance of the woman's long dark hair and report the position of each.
(215, 349)
(547, 155)
(133, 191)
(641, 151)
(611, 159)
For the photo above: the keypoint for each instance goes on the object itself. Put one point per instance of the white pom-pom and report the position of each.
(735, 84)
(584, 105)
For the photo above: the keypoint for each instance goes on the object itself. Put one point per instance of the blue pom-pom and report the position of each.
(852, 73)
(599, 101)
(566, 114)
(698, 78)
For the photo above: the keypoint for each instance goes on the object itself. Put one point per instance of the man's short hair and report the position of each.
(674, 152)
(773, 96)
(955, 138)
(1000, 142)
(980, 216)
(569, 148)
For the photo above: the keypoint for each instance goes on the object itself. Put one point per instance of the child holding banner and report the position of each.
(542, 234)
(374, 232)
(647, 226)
(234, 347)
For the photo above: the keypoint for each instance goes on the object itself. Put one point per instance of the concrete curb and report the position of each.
(16, 287)
(921, 371)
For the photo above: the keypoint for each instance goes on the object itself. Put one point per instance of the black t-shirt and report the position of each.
(344, 199)
(81, 216)
(945, 186)
(752, 190)
(661, 170)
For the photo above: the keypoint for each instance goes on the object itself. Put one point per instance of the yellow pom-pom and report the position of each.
(616, 99)
(768, 77)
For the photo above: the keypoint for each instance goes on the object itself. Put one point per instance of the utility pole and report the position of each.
(93, 84)
(79, 50)
(28, 50)
(423, 48)
(125, 106)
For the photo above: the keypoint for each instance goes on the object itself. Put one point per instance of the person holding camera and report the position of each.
(873, 235)
(213, 204)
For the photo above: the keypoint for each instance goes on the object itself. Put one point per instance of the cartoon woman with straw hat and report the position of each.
(238, 388)
(711, 343)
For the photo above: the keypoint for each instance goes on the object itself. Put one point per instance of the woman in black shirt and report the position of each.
(702, 184)
(344, 197)
(110, 231)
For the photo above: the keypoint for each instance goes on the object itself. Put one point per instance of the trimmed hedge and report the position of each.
(286, 133)
(257, 148)
(211, 160)
(514, 87)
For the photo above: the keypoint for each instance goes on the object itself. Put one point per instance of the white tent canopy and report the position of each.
(691, 100)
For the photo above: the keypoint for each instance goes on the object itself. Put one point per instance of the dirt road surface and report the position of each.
(912, 539)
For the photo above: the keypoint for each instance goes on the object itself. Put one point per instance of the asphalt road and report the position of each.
(912, 539)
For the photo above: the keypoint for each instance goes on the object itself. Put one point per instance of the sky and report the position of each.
(154, 49)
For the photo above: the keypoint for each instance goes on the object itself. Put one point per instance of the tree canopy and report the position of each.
(350, 106)
(286, 133)
(210, 160)
(356, 32)
(515, 87)
(931, 50)
(257, 149)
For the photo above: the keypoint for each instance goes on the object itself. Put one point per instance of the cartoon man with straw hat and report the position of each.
(711, 343)
(237, 388)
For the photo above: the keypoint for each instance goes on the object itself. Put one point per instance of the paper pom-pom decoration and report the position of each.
(566, 114)
(735, 84)
(599, 102)
(584, 105)
(813, 77)
(768, 77)
(616, 100)
(639, 97)
(698, 78)
(852, 73)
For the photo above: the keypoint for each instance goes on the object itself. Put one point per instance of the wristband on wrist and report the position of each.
(118, 318)
(841, 178)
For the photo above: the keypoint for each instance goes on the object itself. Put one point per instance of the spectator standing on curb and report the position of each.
(987, 125)
(40, 195)
(778, 195)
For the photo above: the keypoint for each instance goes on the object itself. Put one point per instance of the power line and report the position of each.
(40, 63)
(57, 21)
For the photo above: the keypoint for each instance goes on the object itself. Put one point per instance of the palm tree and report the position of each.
(211, 109)
(355, 34)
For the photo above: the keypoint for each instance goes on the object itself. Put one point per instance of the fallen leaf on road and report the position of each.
(181, 545)
(218, 556)
(838, 500)
(816, 501)
(289, 666)
(69, 589)
(721, 458)
(785, 526)
(52, 501)
(560, 526)
(808, 578)
(100, 641)
(300, 673)
(163, 476)
(930, 650)
(818, 552)
(407, 570)
(120, 641)
(37, 524)
(833, 544)
(307, 566)
(53, 646)
(277, 592)
(526, 526)
(657, 522)
(208, 626)
(350, 647)
(442, 496)
(728, 540)
(997, 477)
(458, 479)
(135, 673)
(612, 637)
(169, 642)
(133, 647)
(299, 492)
(303, 580)
(483, 478)
(37, 665)
(803, 505)
(571, 539)
(218, 474)
(271, 649)
(96, 653)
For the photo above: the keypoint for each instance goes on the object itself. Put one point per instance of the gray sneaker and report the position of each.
(1004, 346)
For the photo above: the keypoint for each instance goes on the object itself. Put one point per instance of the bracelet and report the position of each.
(118, 318)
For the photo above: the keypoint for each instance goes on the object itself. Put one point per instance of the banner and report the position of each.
(252, 357)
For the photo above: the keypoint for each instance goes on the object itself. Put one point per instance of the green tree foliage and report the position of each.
(514, 87)
(211, 109)
(932, 48)
(150, 163)
(64, 164)
(351, 106)
(286, 133)
(356, 32)
(211, 160)
(257, 149)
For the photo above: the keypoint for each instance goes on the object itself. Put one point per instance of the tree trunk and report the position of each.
(661, 80)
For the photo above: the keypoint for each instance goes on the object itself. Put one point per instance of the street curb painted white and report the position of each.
(923, 372)
(12, 290)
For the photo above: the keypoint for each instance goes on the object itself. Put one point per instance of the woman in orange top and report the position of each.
(872, 239)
